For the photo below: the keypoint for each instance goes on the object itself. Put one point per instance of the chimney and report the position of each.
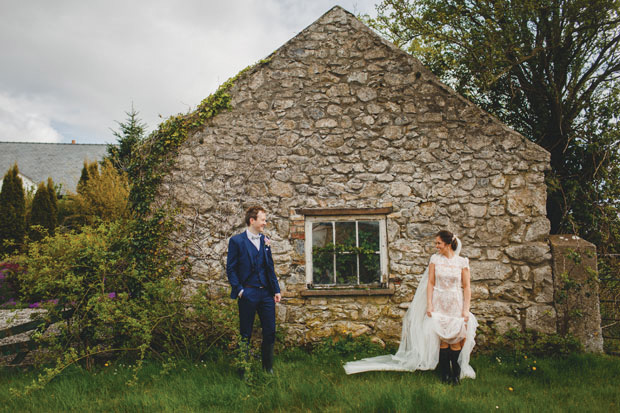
(72, 141)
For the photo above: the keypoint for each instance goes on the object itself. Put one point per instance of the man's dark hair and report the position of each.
(252, 212)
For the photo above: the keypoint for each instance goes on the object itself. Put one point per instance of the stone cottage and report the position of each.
(360, 155)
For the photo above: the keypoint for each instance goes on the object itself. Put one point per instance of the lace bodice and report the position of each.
(448, 271)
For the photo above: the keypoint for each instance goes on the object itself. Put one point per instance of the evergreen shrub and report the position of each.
(12, 211)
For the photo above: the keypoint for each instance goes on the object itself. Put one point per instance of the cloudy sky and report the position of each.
(69, 69)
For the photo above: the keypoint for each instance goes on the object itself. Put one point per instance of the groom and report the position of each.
(251, 274)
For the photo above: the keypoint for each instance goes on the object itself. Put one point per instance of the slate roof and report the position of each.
(61, 161)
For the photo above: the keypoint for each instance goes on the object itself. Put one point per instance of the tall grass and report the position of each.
(317, 383)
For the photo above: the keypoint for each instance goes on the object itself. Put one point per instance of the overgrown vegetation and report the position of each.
(516, 343)
(109, 270)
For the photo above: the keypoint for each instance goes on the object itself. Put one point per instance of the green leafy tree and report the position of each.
(12, 211)
(549, 69)
(130, 135)
(42, 214)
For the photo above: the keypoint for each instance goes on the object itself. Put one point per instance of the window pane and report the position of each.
(370, 268)
(346, 268)
(346, 254)
(345, 233)
(322, 253)
(369, 235)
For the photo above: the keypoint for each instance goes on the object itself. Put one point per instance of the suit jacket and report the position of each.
(240, 263)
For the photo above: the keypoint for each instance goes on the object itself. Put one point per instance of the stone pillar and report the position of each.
(575, 282)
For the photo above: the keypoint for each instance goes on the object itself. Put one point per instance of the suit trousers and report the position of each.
(257, 300)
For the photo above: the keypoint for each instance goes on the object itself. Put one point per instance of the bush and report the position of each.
(102, 196)
(8, 285)
(347, 346)
(517, 343)
(119, 301)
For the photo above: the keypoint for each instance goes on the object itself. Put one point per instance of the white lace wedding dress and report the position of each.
(420, 337)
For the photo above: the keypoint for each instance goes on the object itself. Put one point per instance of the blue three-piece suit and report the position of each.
(252, 270)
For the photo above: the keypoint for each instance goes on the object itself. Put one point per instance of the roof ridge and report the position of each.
(58, 143)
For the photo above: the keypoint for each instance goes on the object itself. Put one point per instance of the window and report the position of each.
(345, 250)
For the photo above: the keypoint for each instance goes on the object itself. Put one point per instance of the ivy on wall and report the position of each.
(155, 158)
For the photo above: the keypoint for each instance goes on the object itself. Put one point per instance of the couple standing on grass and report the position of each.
(438, 328)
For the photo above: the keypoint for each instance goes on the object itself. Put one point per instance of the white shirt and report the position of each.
(254, 239)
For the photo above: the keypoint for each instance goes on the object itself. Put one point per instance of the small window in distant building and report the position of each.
(345, 250)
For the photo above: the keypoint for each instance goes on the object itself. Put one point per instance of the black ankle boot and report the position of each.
(444, 364)
(267, 357)
(456, 368)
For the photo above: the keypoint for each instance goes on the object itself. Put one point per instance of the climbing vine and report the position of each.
(156, 156)
(154, 159)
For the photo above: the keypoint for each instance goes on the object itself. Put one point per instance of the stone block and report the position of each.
(489, 270)
(533, 253)
(504, 324)
(366, 94)
(508, 291)
(538, 230)
(541, 317)
(400, 189)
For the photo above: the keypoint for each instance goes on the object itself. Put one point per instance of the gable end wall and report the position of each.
(340, 118)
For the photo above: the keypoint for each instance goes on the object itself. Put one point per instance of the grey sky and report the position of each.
(70, 68)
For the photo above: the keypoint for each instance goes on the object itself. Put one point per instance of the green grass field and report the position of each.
(304, 382)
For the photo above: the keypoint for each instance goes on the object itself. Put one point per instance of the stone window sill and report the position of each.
(346, 292)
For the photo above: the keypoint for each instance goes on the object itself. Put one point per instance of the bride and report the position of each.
(438, 327)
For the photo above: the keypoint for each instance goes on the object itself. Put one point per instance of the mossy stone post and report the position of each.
(576, 290)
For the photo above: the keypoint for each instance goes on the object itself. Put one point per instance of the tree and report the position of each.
(53, 194)
(12, 211)
(130, 135)
(103, 196)
(83, 178)
(90, 170)
(43, 213)
(549, 69)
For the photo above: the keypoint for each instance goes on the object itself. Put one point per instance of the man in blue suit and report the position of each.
(251, 274)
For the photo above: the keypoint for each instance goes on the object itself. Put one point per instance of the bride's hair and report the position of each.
(448, 238)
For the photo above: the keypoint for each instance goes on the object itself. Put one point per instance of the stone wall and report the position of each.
(339, 118)
(10, 318)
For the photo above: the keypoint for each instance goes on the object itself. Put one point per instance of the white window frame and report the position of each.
(383, 253)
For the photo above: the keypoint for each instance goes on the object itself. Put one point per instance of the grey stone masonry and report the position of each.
(340, 118)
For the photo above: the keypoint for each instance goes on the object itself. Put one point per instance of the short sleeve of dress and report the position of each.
(434, 259)
(465, 262)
